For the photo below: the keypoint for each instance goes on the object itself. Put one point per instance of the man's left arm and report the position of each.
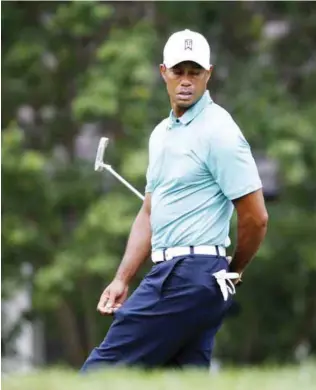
(234, 169)
(252, 220)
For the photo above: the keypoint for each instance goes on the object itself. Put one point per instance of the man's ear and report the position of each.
(163, 71)
(209, 73)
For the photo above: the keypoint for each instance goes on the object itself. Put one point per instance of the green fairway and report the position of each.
(268, 378)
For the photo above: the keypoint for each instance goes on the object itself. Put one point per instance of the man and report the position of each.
(200, 168)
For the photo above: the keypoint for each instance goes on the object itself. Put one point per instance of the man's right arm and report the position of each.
(137, 250)
(138, 245)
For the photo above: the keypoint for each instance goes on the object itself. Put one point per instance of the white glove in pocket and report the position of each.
(223, 279)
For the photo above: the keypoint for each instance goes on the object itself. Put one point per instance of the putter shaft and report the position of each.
(122, 180)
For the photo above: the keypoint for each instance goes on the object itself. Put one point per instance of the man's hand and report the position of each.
(238, 281)
(112, 297)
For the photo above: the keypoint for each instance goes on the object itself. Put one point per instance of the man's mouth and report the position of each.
(184, 95)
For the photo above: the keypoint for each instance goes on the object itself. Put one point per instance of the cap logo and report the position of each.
(188, 43)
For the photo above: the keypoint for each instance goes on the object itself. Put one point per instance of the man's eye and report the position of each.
(177, 71)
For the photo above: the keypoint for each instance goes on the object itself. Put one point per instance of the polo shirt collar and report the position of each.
(193, 111)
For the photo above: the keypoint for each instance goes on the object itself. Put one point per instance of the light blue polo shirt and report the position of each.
(198, 164)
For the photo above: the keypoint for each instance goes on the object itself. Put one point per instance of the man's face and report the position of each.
(186, 82)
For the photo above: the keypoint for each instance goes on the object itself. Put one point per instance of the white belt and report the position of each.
(170, 253)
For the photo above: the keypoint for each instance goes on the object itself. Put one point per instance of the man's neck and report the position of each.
(178, 111)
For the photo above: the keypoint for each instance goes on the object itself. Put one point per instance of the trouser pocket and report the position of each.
(168, 273)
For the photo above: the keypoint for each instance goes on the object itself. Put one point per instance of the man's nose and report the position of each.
(186, 82)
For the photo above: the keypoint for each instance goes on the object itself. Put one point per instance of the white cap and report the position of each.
(187, 45)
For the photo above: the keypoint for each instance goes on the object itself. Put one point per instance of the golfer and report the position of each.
(200, 169)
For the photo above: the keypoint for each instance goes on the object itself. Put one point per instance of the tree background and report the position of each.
(75, 71)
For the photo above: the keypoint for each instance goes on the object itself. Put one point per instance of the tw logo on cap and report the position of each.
(188, 44)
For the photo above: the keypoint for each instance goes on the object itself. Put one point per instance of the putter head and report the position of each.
(98, 164)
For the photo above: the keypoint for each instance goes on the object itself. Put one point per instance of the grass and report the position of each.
(267, 378)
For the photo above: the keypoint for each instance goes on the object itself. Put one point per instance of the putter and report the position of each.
(99, 166)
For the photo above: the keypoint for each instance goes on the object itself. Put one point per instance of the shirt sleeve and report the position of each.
(231, 163)
(149, 174)
(149, 182)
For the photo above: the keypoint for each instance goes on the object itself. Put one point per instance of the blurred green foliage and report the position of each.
(93, 62)
(269, 377)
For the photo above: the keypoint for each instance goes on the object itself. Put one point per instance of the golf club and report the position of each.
(99, 166)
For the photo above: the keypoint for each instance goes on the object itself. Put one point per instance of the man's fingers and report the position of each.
(112, 298)
(104, 309)
(109, 309)
(103, 301)
(107, 303)
(101, 306)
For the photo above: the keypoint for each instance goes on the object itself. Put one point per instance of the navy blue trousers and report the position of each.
(170, 319)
